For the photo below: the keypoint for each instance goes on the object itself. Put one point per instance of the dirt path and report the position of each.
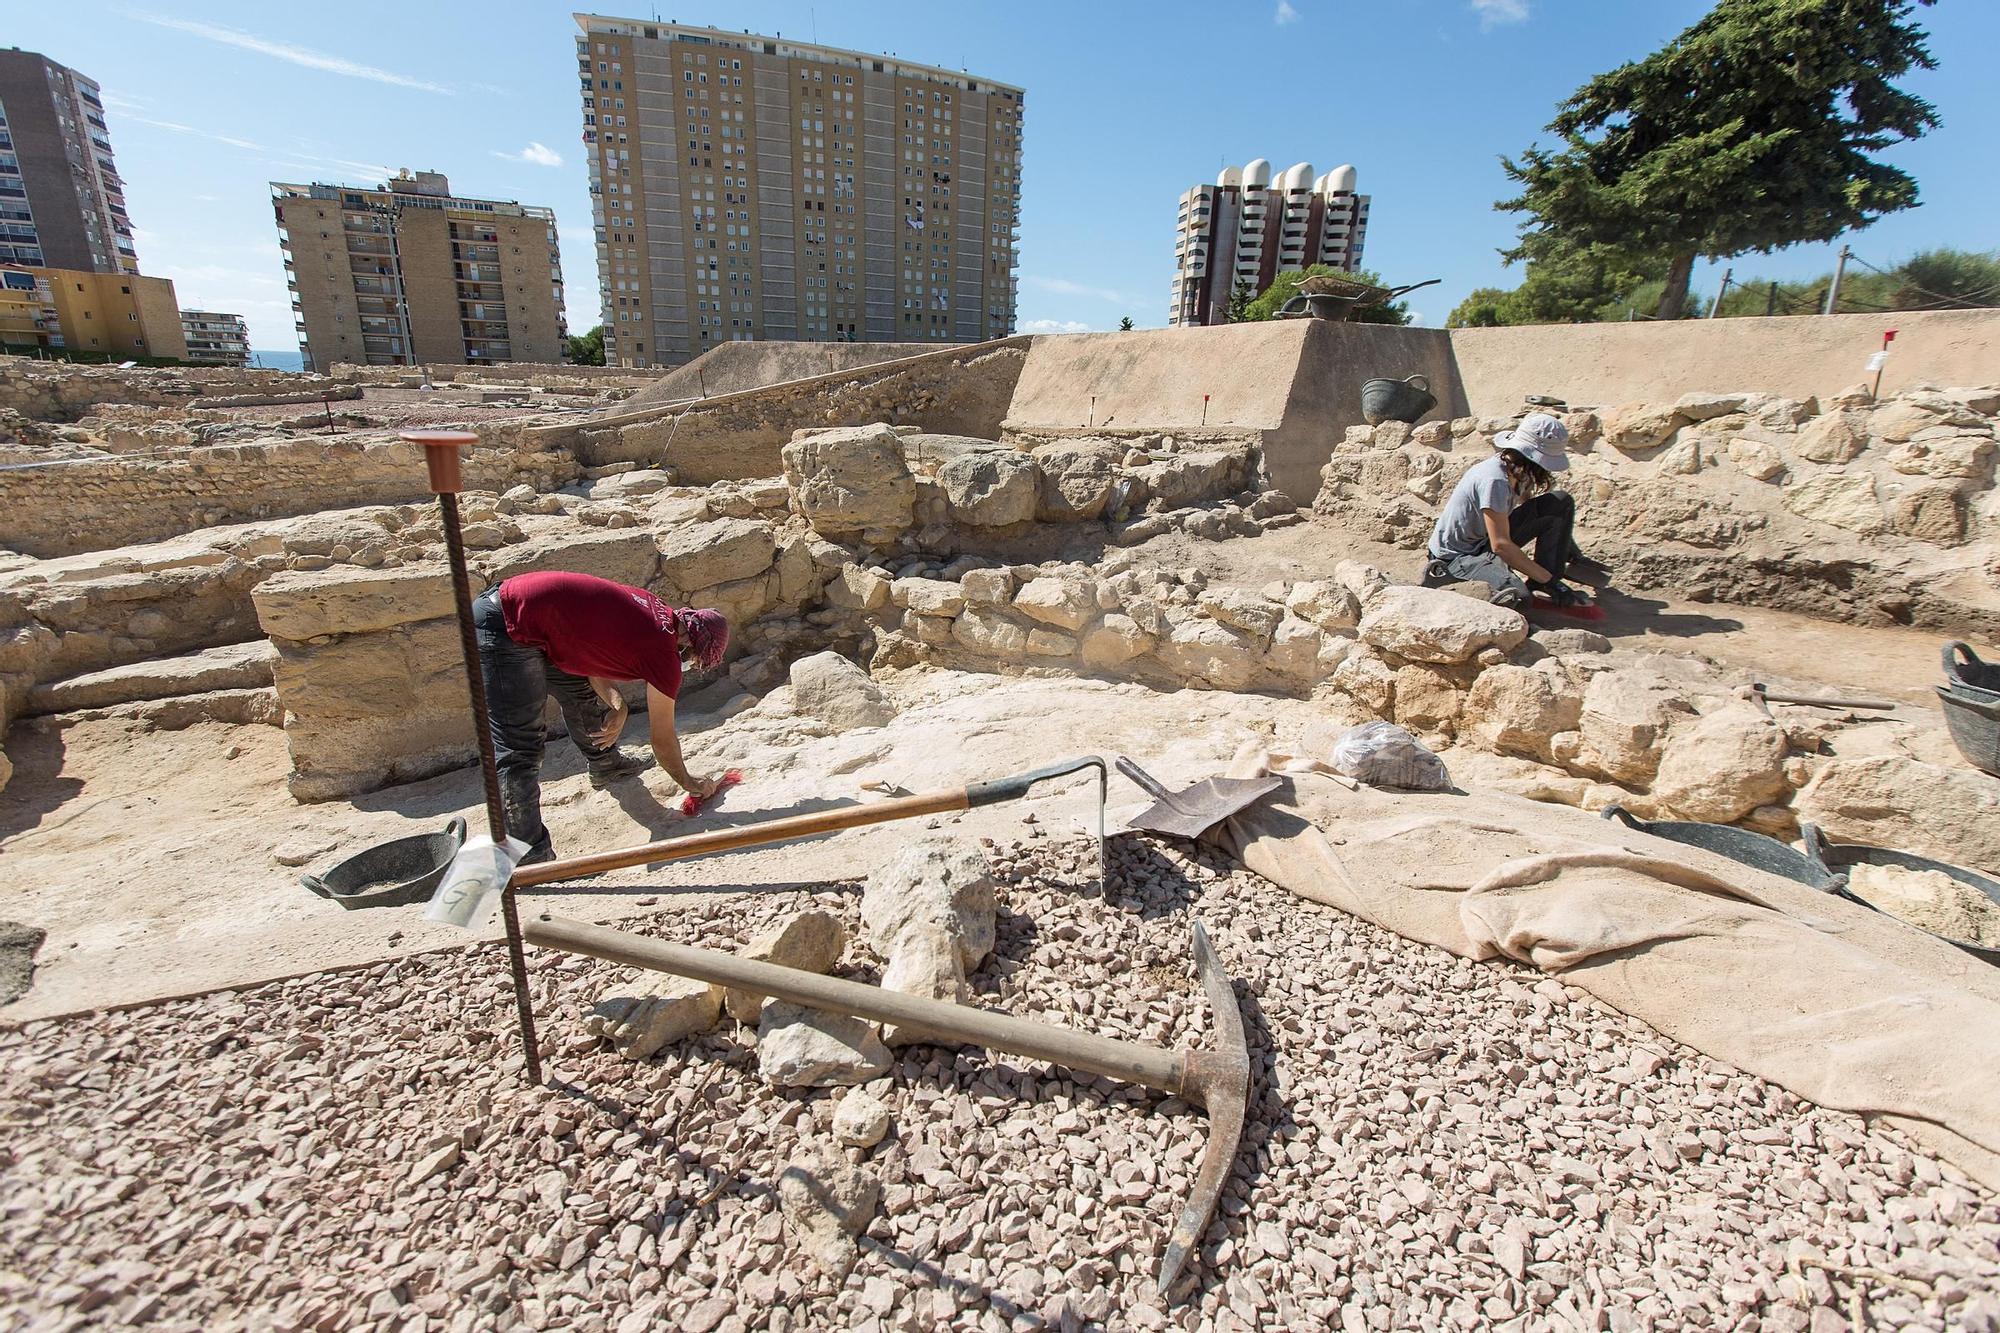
(149, 856)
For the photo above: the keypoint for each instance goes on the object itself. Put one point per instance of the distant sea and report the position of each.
(270, 360)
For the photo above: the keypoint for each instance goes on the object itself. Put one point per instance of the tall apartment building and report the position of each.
(215, 338)
(1248, 228)
(62, 203)
(750, 188)
(410, 274)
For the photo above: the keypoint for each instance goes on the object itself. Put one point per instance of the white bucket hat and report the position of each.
(1540, 438)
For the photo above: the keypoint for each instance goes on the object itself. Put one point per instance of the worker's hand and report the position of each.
(700, 788)
(614, 725)
(1562, 594)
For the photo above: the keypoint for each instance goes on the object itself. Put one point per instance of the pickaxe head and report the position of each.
(1218, 1080)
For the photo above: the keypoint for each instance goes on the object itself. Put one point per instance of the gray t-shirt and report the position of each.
(1461, 529)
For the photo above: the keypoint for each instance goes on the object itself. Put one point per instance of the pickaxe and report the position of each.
(1217, 1080)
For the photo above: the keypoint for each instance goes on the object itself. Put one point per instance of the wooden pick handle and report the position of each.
(441, 456)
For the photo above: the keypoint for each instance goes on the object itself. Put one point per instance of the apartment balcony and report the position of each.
(369, 248)
(377, 287)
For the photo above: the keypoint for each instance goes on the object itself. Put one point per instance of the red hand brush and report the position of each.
(691, 804)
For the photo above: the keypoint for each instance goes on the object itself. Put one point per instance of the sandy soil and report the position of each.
(149, 856)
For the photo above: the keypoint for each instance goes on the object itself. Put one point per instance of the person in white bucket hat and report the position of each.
(1502, 504)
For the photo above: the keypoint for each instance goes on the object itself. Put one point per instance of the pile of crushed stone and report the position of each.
(1432, 1143)
(1930, 900)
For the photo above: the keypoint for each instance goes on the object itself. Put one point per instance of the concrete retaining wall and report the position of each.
(734, 367)
(1798, 357)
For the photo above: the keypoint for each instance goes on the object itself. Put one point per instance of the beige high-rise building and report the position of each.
(216, 338)
(409, 274)
(752, 188)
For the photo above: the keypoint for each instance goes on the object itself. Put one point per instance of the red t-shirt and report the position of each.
(589, 626)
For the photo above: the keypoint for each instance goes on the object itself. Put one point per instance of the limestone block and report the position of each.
(937, 884)
(1683, 458)
(1427, 699)
(811, 1048)
(831, 688)
(1720, 767)
(1625, 720)
(1945, 454)
(1839, 499)
(990, 489)
(826, 1202)
(986, 631)
(705, 554)
(1150, 615)
(928, 597)
(1295, 650)
(859, 588)
(798, 574)
(1369, 681)
(1254, 615)
(987, 587)
(1432, 625)
(1757, 459)
(861, 1121)
(1949, 813)
(1361, 580)
(1065, 601)
(1702, 406)
(623, 555)
(1114, 642)
(931, 631)
(345, 600)
(1179, 480)
(1900, 420)
(1208, 651)
(639, 1023)
(851, 479)
(1585, 429)
(1051, 643)
(812, 940)
(1985, 400)
(926, 964)
(1835, 437)
(1075, 481)
(1516, 710)
(1325, 604)
(1635, 427)
(1932, 513)
(234, 666)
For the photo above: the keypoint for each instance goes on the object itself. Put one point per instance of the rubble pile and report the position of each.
(1432, 1143)
(1873, 512)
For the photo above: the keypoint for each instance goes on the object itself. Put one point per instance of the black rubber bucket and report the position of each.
(391, 874)
(1741, 845)
(1839, 857)
(1396, 400)
(1970, 698)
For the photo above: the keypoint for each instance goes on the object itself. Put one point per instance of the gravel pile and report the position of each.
(1433, 1144)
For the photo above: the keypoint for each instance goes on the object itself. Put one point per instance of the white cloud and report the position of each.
(1064, 287)
(1493, 13)
(1286, 14)
(1054, 326)
(179, 128)
(297, 55)
(536, 154)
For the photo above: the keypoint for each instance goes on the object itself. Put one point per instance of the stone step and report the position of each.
(236, 666)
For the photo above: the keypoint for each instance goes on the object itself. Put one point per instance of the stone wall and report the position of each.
(369, 672)
(77, 506)
(956, 390)
(735, 367)
(58, 391)
(1852, 510)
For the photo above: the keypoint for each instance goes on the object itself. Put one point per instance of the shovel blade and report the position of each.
(1192, 813)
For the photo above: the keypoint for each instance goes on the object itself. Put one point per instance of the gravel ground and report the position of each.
(1433, 1144)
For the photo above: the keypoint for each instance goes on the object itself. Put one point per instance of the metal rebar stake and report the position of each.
(441, 455)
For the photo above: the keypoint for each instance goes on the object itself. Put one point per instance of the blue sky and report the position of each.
(1128, 104)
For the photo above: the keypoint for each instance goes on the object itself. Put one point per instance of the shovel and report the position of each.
(1193, 812)
(1217, 1080)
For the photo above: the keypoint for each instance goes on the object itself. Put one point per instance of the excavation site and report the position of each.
(1082, 845)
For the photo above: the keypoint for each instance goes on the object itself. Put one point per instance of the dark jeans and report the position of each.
(519, 680)
(1548, 521)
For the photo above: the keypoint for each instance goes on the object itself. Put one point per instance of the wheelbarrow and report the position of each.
(1324, 296)
(1839, 858)
(391, 874)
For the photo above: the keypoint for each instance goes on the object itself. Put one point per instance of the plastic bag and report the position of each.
(472, 883)
(1382, 754)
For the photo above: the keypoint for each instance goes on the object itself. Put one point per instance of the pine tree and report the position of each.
(1751, 130)
(1240, 297)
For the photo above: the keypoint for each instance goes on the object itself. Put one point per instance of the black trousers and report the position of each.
(1548, 522)
(519, 680)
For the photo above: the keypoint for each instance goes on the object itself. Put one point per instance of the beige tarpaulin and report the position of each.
(1843, 1006)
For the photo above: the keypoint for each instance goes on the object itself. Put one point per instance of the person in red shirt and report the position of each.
(576, 636)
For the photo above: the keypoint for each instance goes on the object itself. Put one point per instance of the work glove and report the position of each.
(1561, 593)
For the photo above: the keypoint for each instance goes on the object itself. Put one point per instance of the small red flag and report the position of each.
(1888, 335)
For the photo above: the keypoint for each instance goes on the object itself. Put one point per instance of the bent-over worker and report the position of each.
(576, 636)
(1501, 504)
